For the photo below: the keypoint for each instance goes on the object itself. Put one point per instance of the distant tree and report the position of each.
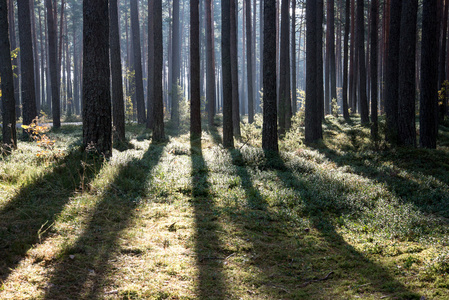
(97, 126)
(392, 72)
(319, 63)
(137, 52)
(407, 88)
(269, 130)
(53, 64)
(428, 113)
(150, 94)
(195, 103)
(332, 61)
(284, 70)
(228, 138)
(7, 82)
(364, 111)
(176, 53)
(313, 129)
(293, 58)
(26, 62)
(345, 61)
(15, 62)
(210, 64)
(118, 107)
(158, 104)
(373, 69)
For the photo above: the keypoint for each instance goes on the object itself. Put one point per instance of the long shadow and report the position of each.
(81, 272)
(26, 219)
(321, 220)
(216, 137)
(429, 197)
(208, 249)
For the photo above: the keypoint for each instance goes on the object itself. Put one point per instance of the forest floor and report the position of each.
(342, 219)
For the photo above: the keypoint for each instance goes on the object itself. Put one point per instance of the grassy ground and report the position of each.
(342, 219)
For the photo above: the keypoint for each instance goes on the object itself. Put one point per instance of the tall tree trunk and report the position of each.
(261, 47)
(442, 62)
(333, 64)
(345, 61)
(249, 62)
(97, 126)
(42, 47)
(293, 58)
(26, 62)
(313, 130)
(364, 111)
(54, 73)
(374, 56)
(235, 70)
(9, 138)
(150, 94)
(407, 88)
(284, 71)
(392, 75)
(175, 65)
(319, 64)
(135, 29)
(428, 113)
(37, 83)
(118, 105)
(15, 61)
(158, 104)
(195, 112)
(352, 60)
(210, 64)
(269, 130)
(228, 139)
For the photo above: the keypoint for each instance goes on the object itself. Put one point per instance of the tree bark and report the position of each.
(195, 104)
(118, 105)
(9, 138)
(345, 61)
(442, 62)
(210, 65)
(228, 139)
(374, 56)
(97, 126)
(269, 130)
(284, 71)
(158, 104)
(26, 62)
(293, 58)
(150, 93)
(249, 62)
(235, 70)
(175, 65)
(53, 65)
(364, 111)
(392, 75)
(428, 115)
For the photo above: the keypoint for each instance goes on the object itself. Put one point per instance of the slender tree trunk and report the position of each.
(42, 75)
(234, 70)
(97, 126)
(9, 138)
(26, 62)
(150, 95)
(37, 83)
(249, 62)
(261, 47)
(313, 130)
(228, 139)
(284, 71)
(352, 62)
(374, 56)
(195, 113)
(158, 104)
(319, 47)
(345, 61)
(333, 64)
(364, 111)
(442, 62)
(428, 114)
(210, 65)
(118, 107)
(135, 29)
(54, 74)
(392, 75)
(15, 61)
(293, 58)
(175, 65)
(407, 88)
(269, 130)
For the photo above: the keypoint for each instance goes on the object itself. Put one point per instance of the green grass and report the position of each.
(344, 219)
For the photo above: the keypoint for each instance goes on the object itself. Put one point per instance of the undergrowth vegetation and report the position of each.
(341, 219)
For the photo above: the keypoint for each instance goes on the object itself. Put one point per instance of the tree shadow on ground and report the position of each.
(26, 220)
(84, 275)
(418, 176)
(208, 248)
(216, 136)
(291, 258)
